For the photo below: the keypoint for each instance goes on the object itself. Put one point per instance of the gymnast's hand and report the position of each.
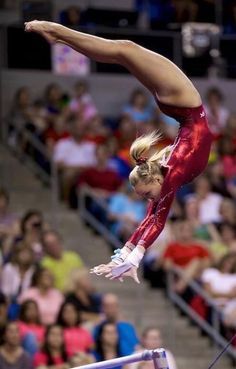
(102, 268)
(123, 270)
(45, 29)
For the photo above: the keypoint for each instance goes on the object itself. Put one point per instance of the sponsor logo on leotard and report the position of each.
(202, 114)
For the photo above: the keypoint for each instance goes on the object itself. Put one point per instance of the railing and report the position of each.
(213, 330)
(158, 357)
(92, 220)
(49, 178)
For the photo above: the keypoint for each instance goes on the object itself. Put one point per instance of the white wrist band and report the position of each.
(135, 257)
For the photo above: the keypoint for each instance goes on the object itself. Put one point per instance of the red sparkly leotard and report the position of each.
(186, 161)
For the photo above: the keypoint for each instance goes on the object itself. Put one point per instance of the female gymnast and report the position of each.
(156, 177)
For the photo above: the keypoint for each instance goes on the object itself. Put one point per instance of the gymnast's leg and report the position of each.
(157, 73)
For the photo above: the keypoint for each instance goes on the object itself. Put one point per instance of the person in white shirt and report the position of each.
(217, 113)
(72, 155)
(209, 202)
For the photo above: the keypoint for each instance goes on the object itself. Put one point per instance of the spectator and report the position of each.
(82, 294)
(125, 211)
(12, 356)
(72, 155)
(228, 158)
(97, 131)
(60, 262)
(53, 353)
(217, 113)
(107, 343)
(8, 220)
(32, 226)
(77, 339)
(151, 340)
(19, 115)
(101, 181)
(127, 337)
(138, 109)
(71, 16)
(53, 101)
(82, 104)
(3, 316)
(159, 12)
(43, 293)
(209, 202)
(228, 212)
(223, 239)
(185, 10)
(186, 254)
(220, 281)
(29, 324)
(17, 274)
(57, 131)
(192, 214)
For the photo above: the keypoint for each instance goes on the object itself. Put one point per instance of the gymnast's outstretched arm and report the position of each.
(162, 77)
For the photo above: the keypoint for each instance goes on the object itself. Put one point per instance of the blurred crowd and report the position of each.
(51, 315)
(91, 154)
(156, 14)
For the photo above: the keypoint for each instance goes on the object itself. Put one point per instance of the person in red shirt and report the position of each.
(76, 338)
(102, 181)
(53, 352)
(188, 255)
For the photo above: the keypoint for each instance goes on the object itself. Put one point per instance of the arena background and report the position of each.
(59, 218)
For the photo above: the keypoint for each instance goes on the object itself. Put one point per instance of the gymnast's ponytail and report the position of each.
(146, 168)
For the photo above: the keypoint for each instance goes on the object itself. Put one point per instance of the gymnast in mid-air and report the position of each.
(157, 176)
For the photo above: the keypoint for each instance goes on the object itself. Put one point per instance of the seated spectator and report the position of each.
(151, 340)
(32, 226)
(107, 343)
(8, 220)
(192, 214)
(82, 294)
(185, 10)
(218, 182)
(127, 337)
(223, 239)
(138, 109)
(186, 254)
(209, 202)
(12, 355)
(216, 111)
(228, 212)
(60, 262)
(72, 155)
(159, 12)
(17, 274)
(101, 181)
(125, 211)
(71, 17)
(57, 131)
(19, 115)
(119, 164)
(220, 281)
(29, 324)
(43, 293)
(3, 315)
(125, 133)
(53, 353)
(82, 103)
(228, 158)
(97, 131)
(54, 103)
(76, 338)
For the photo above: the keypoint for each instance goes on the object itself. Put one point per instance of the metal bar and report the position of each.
(158, 354)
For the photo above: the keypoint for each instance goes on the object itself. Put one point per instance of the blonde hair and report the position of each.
(147, 168)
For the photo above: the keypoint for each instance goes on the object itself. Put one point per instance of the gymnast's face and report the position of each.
(150, 190)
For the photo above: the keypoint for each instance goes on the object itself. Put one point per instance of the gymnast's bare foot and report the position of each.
(45, 29)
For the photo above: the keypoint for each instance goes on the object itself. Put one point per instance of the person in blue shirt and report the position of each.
(127, 337)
